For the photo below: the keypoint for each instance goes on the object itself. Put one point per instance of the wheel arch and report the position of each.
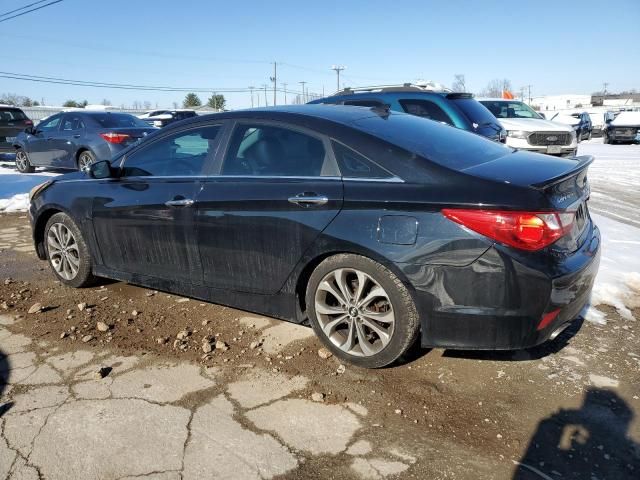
(39, 225)
(312, 262)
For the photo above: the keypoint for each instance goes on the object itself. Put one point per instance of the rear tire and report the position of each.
(67, 252)
(22, 162)
(605, 137)
(85, 159)
(370, 319)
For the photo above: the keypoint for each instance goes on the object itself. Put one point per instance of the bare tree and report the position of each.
(495, 88)
(106, 102)
(147, 105)
(459, 83)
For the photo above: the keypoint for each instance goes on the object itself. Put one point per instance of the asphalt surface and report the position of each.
(136, 401)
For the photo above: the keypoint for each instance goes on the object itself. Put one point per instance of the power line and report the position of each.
(124, 86)
(32, 10)
(21, 8)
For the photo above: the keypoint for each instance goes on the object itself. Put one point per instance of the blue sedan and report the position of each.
(75, 140)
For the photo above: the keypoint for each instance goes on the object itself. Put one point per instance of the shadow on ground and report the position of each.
(589, 442)
(5, 368)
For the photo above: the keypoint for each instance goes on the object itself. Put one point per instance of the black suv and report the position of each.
(459, 110)
(12, 122)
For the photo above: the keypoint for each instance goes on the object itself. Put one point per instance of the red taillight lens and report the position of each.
(524, 230)
(113, 137)
(28, 122)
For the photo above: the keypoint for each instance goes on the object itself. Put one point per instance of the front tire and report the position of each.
(361, 311)
(67, 252)
(605, 138)
(85, 159)
(22, 162)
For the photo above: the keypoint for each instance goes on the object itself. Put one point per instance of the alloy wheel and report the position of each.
(63, 251)
(85, 161)
(354, 312)
(22, 161)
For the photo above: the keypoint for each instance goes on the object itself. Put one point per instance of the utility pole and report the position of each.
(604, 88)
(284, 88)
(274, 79)
(522, 94)
(251, 90)
(304, 98)
(528, 87)
(266, 100)
(338, 69)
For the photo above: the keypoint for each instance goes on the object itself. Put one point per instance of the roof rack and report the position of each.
(404, 87)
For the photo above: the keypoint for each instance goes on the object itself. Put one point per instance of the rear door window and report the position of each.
(269, 150)
(426, 109)
(72, 123)
(183, 154)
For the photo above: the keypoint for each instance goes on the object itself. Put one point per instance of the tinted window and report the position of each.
(72, 122)
(450, 147)
(425, 109)
(475, 111)
(509, 109)
(180, 154)
(49, 124)
(11, 115)
(354, 165)
(364, 103)
(118, 120)
(273, 151)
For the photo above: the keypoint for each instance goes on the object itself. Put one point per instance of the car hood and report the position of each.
(534, 125)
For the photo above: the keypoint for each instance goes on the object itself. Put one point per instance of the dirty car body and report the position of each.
(410, 194)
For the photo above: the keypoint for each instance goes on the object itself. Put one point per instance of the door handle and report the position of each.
(308, 200)
(49, 138)
(76, 136)
(183, 202)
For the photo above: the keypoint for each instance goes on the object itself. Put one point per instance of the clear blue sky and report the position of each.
(556, 46)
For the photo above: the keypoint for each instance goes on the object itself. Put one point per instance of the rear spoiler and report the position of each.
(583, 161)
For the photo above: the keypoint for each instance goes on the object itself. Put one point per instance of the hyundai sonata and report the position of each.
(374, 227)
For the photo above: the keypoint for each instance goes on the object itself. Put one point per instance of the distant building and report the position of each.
(617, 100)
(560, 102)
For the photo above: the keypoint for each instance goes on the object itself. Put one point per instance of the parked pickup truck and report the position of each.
(624, 128)
(527, 130)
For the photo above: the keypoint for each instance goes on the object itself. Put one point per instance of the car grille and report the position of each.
(550, 138)
(625, 131)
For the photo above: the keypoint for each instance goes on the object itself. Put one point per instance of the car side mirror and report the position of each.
(101, 169)
(30, 130)
(542, 115)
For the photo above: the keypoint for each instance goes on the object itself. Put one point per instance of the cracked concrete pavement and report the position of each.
(155, 419)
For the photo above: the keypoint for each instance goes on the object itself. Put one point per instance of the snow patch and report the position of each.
(17, 203)
(618, 280)
(15, 186)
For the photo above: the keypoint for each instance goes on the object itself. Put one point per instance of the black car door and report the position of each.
(277, 188)
(143, 220)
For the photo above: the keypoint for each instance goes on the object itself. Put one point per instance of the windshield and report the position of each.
(118, 120)
(509, 109)
(448, 146)
(475, 111)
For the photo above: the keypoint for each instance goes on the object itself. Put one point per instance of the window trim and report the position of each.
(330, 160)
(164, 136)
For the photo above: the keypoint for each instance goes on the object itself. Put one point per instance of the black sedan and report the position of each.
(74, 140)
(375, 227)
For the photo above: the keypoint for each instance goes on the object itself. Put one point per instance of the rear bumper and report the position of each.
(498, 302)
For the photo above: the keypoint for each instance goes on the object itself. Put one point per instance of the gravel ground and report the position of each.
(564, 410)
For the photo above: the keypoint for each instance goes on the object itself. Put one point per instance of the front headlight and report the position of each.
(518, 134)
(38, 188)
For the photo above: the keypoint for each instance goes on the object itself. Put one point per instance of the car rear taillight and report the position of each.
(28, 122)
(113, 137)
(523, 230)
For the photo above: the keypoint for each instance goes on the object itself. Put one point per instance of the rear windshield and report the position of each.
(475, 111)
(118, 120)
(11, 114)
(448, 146)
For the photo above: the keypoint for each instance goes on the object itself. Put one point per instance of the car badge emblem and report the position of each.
(552, 138)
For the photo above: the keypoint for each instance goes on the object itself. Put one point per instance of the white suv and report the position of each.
(526, 130)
